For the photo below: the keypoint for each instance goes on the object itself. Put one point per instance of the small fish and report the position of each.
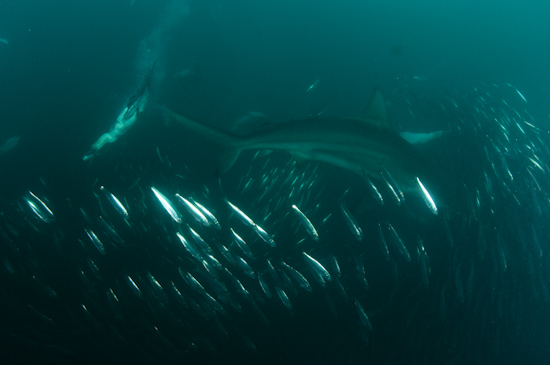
(167, 205)
(264, 286)
(242, 244)
(318, 270)
(242, 216)
(191, 281)
(200, 241)
(226, 254)
(398, 243)
(423, 259)
(243, 265)
(297, 276)
(363, 316)
(157, 287)
(306, 223)
(427, 197)
(393, 186)
(120, 208)
(97, 243)
(179, 297)
(334, 265)
(272, 272)
(383, 244)
(194, 211)
(284, 298)
(240, 287)
(211, 218)
(134, 287)
(521, 95)
(264, 235)
(373, 190)
(190, 248)
(110, 231)
(351, 222)
(159, 155)
(40, 208)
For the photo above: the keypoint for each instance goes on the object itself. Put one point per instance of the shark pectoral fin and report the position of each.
(375, 112)
(300, 158)
(420, 138)
(226, 160)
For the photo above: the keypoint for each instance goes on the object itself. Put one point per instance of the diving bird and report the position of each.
(126, 118)
(366, 144)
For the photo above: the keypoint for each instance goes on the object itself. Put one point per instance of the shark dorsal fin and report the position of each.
(375, 112)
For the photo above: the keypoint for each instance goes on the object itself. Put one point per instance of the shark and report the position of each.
(365, 144)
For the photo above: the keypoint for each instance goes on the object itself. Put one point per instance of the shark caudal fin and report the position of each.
(228, 143)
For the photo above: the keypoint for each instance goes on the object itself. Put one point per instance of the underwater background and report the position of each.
(84, 280)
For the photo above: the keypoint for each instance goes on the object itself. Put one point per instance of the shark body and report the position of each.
(365, 145)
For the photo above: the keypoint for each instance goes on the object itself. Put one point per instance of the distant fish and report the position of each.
(11, 143)
(189, 77)
(312, 86)
(4, 40)
(519, 93)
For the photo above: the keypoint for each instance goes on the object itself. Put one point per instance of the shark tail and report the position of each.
(229, 144)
